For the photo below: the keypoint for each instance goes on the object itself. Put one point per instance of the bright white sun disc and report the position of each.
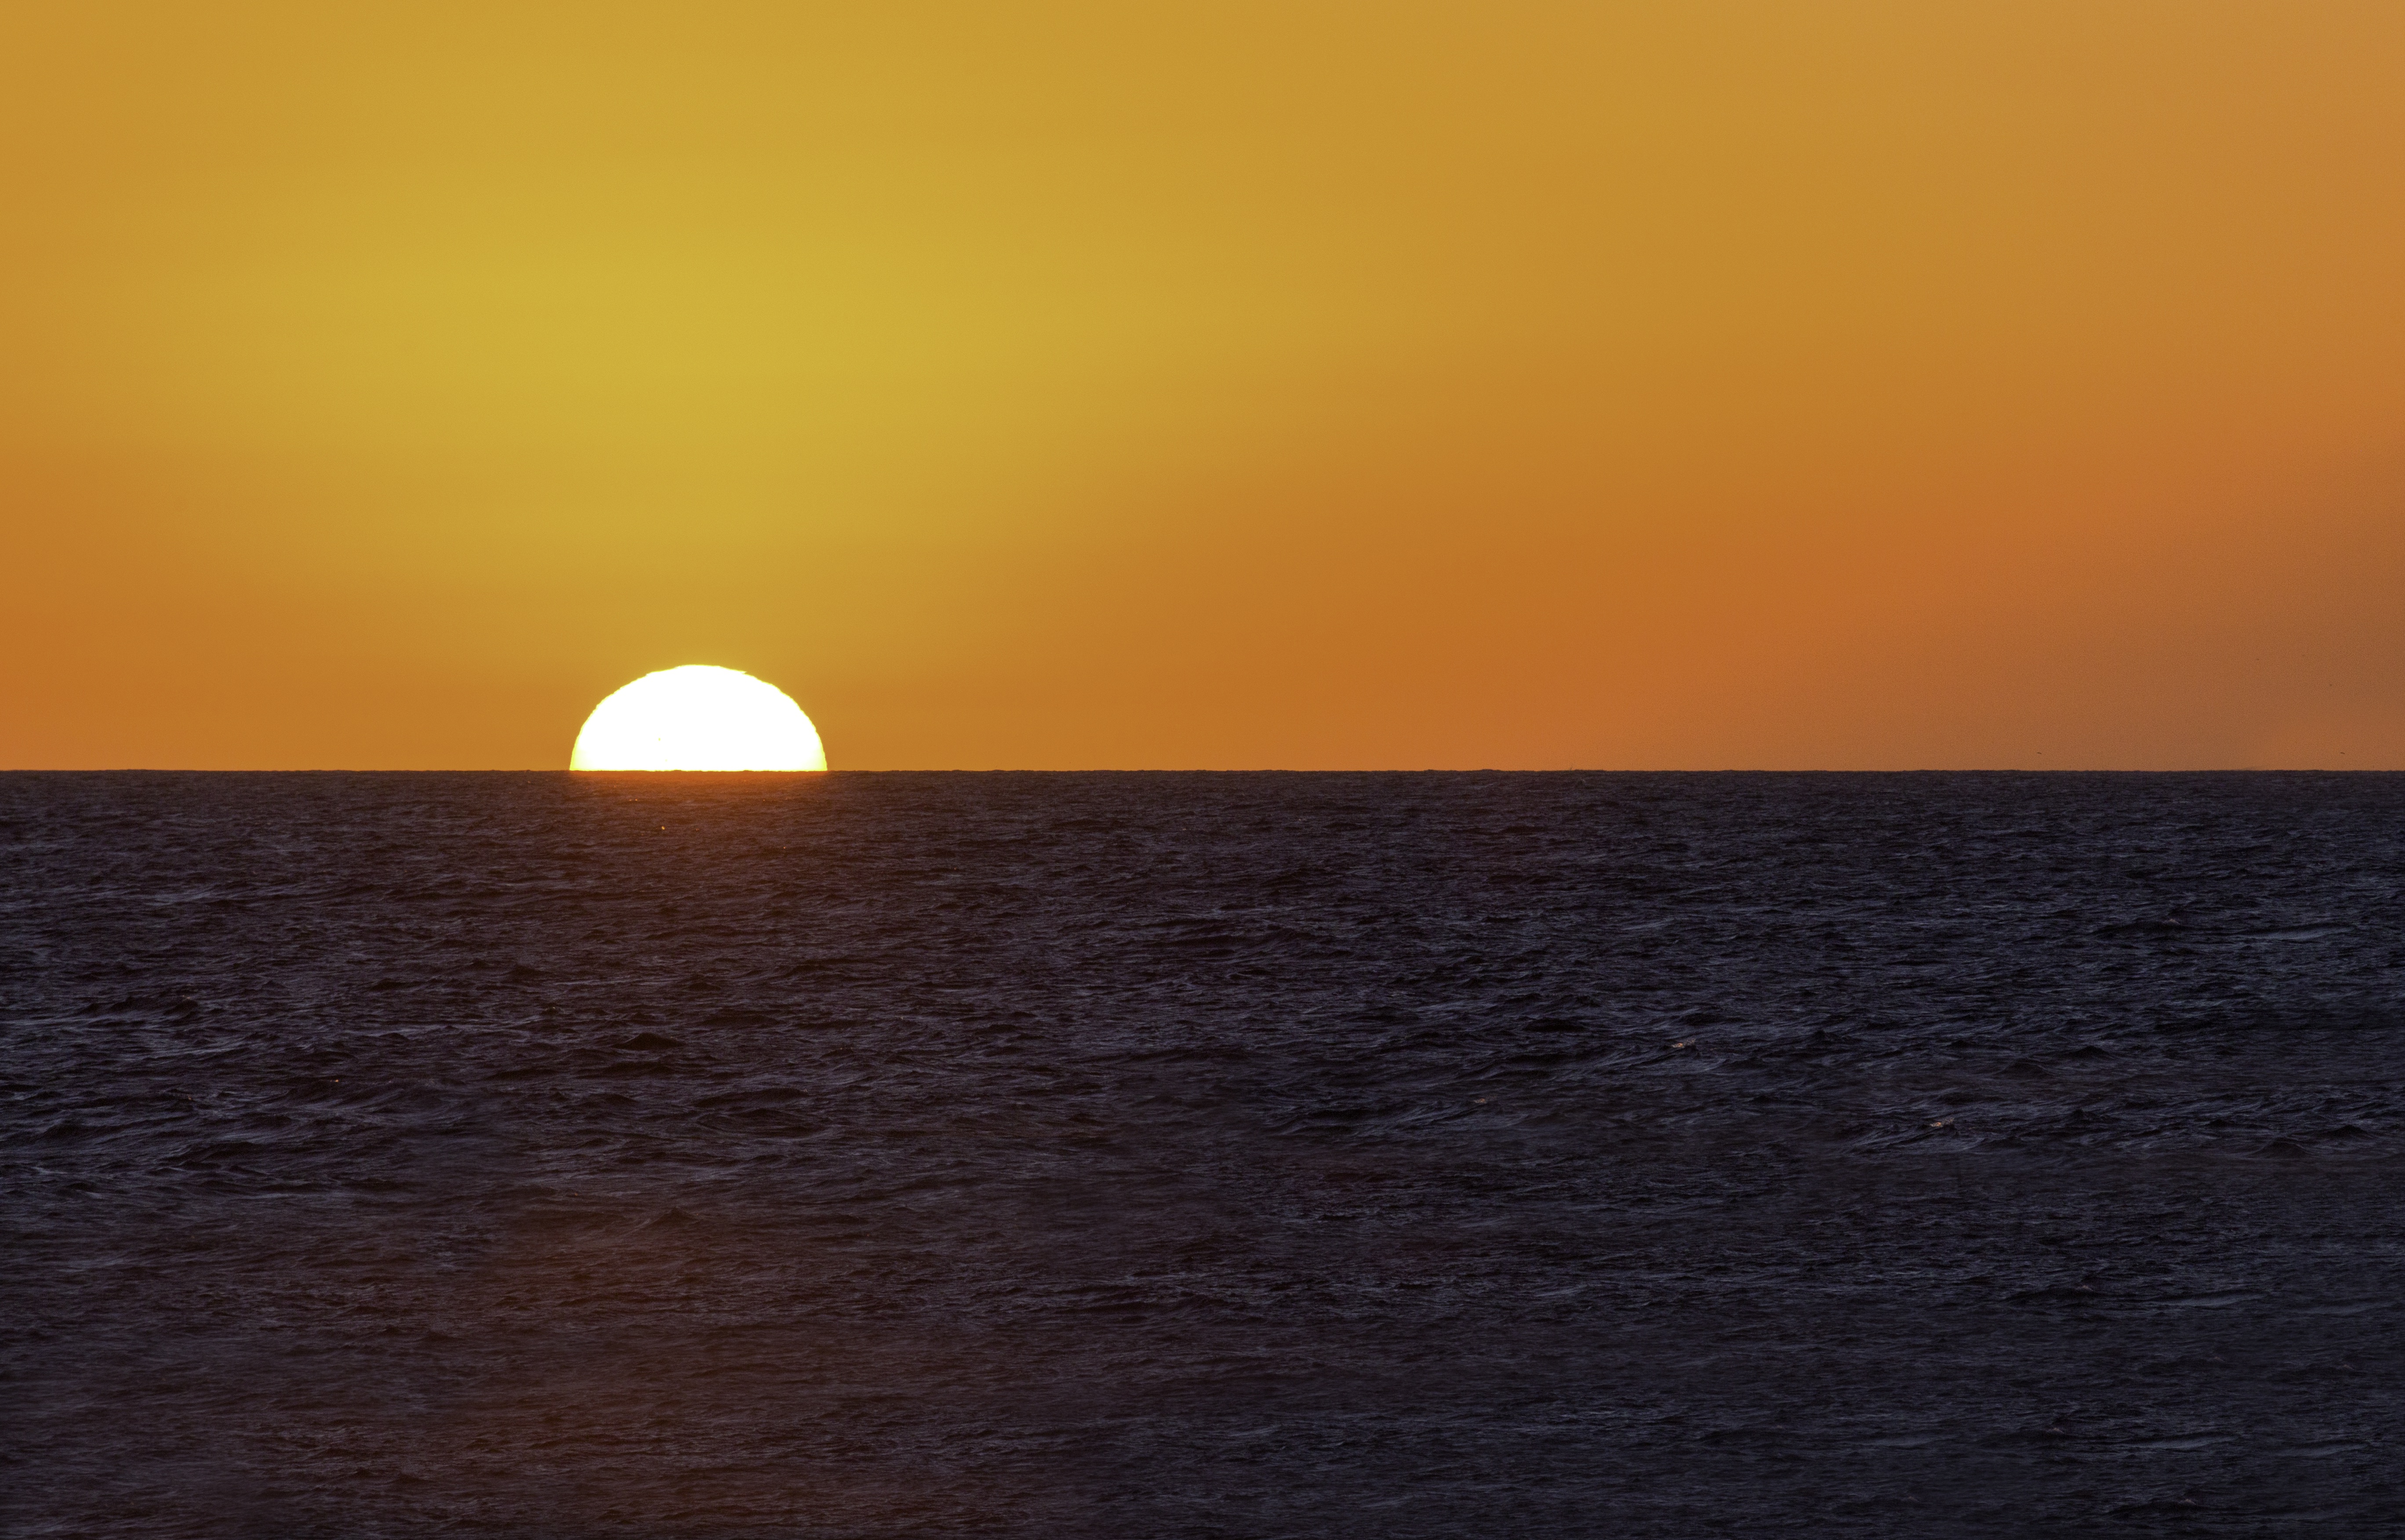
(699, 718)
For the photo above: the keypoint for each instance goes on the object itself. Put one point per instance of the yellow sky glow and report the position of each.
(1862, 383)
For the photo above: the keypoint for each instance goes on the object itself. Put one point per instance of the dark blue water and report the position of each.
(1201, 1154)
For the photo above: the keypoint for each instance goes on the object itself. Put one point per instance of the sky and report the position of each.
(1717, 384)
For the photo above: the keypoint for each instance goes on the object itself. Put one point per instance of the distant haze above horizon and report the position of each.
(1308, 386)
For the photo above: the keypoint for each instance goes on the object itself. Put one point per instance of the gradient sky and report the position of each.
(1681, 385)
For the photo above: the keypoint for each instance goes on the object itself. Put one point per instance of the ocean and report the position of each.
(1226, 1154)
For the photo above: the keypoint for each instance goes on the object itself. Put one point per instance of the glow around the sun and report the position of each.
(699, 718)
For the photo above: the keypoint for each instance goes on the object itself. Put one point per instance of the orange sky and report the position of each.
(1681, 384)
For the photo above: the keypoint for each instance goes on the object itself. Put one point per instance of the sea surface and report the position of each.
(1084, 1156)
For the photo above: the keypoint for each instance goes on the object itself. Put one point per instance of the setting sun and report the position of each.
(699, 718)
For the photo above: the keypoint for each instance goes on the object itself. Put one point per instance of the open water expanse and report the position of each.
(1086, 1156)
